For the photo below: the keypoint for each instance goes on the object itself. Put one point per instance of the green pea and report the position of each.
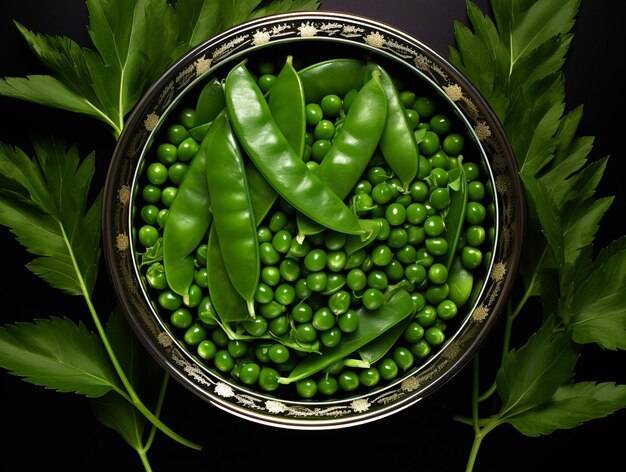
(302, 313)
(256, 326)
(395, 270)
(424, 106)
(170, 300)
(268, 379)
(356, 279)
(377, 279)
(336, 260)
(285, 294)
(434, 336)
(151, 193)
(334, 240)
(162, 217)
(437, 273)
(381, 255)
(249, 373)
(279, 325)
(155, 275)
(315, 260)
(181, 318)
(348, 380)
(278, 353)
(413, 332)
(383, 193)
(167, 153)
(331, 337)
(331, 105)
(440, 124)
(289, 270)
(266, 81)
(317, 281)
(429, 143)
(148, 235)
(406, 254)
(415, 235)
(187, 149)
(426, 316)
(306, 388)
(447, 309)
(440, 198)
(327, 385)
(388, 368)
(201, 277)
(376, 174)
(272, 309)
(323, 319)
(420, 349)
(194, 334)
(219, 337)
(403, 358)
(415, 273)
(436, 293)
(278, 221)
(302, 289)
(372, 298)
(206, 349)
(313, 114)
(363, 186)
(319, 149)
(282, 241)
(176, 134)
(395, 213)
(168, 195)
(268, 254)
(339, 302)
(324, 129)
(270, 275)
(348, 321)
(437, 246)
(237, 348)
(398, 237)
(471, 257)
(306, 332)
(475, 213)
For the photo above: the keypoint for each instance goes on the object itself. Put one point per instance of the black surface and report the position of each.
(44, 430)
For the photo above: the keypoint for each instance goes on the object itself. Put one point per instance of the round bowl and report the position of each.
(312, 36)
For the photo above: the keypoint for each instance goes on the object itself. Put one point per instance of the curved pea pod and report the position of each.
(372, 323)
(271, 153)
(456, 211)
(262, 194)
(371, 228)
(286, 102)
(210, 102)
(233, 217)
(460, 281)
(228, 304)
(397, 144)
(187, 223)
(377, 349)
(353, 147)
(337, 76)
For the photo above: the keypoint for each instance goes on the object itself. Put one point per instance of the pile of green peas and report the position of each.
(311, 287)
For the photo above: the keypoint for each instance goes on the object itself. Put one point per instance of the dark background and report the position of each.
(51, 431)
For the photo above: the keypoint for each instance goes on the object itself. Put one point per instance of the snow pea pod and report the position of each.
(460, 281)
(354, 145)
(456, 213)
(286, 102)
(372, 323)
(210, 102)
(337, 76)
(377, 349)
(228, 304)
(187, 224)
(271, 153)
(397, 144)
(233, 218)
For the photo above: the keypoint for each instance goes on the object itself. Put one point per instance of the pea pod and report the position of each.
(397, 144)
(379, 347)
(456, 213)
(371, 227)
(372, 323)
(187, 224)
(229, 305)
(271, 153)
(354, 145)
(286, 102)
(460, 281)
(210, 102)
(337, 76)
(233, 218)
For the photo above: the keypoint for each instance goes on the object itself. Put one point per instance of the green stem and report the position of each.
(134, 398)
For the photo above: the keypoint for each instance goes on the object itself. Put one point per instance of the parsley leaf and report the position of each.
(58, 354)
(44, 203)
(107, 81)
(570, 406)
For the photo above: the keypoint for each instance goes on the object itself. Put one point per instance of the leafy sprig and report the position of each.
(134, 41)
(516, 60)
(44, 200)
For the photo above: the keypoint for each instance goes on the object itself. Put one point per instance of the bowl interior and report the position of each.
(311, 37)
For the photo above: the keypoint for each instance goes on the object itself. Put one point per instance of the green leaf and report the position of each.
(57, 354)
(530, 375)
(281, 6)
(570, 406)
(116, 413)
(144, 374)
(196, 21)
(598, 310)
(44, 203)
